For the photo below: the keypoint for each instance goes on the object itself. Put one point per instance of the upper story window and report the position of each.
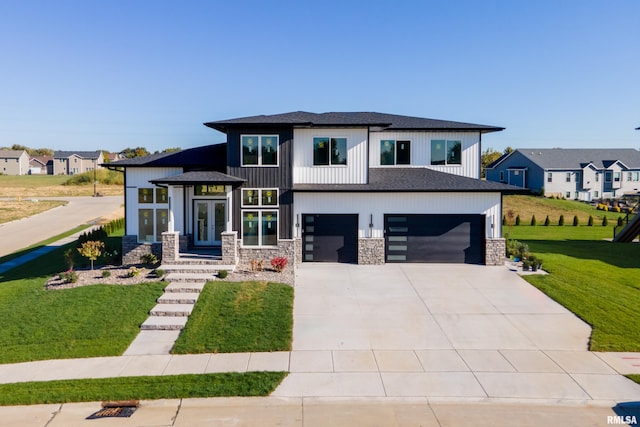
(607, 176)
(597, 177)
(616, 176)
(549, 177)
(445, 152)
(394, 152)
(501, 176)
(259, 150)
(568, 179)
(329, 151)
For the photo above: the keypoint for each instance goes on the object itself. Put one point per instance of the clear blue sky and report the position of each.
(79, 75)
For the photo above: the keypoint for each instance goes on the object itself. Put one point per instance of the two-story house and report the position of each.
(364, 188)
(14, 162)
(73, 162)
(581, 174)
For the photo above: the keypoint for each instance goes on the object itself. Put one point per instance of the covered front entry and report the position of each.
(330, 238)
(208, 222)
(434, 238)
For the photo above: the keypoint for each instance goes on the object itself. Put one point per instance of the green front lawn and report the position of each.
(148, 388)
(81, 322)
(239, 317)
(594, 278)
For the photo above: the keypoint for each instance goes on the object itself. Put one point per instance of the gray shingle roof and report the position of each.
(11, 154)
(209, 157)
(386, 121)
(200, 177)
(84, 154)
(577, 158)
(413, 180)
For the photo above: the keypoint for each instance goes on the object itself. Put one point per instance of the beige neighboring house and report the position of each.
(73, 162)
(14, 162)
(41, 165)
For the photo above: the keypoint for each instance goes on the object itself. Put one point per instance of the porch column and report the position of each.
(170, 248)
(230, 247)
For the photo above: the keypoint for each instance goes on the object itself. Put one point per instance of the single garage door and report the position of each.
(330, 238)
(435, 238)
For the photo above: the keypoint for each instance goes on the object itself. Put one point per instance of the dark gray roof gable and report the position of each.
(208, 157)
(575, 158)
(94, 155)
(385, 121)
(414, 180)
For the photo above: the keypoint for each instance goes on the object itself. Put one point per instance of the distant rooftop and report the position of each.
(577, 158)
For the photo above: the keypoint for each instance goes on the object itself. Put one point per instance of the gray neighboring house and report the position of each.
(73, 162)
(41, 165)
(14, 162)
(581, 174)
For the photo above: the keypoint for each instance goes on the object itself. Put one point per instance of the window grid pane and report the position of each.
(338, 151)
(387, 152)
(269, 150)
(403, 149)
(269, 228)
(320, 151)
(250, 228)
(249, 150)
(438, 152)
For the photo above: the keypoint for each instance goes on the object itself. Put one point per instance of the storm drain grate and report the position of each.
(115, 410)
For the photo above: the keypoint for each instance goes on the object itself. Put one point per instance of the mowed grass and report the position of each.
(86, 321)
(27, 186)
(11, 210)
(594, 278)
(527, 206)
(148, 388)
(239, 317)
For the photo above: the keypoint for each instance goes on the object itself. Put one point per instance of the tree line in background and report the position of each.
(127, 152)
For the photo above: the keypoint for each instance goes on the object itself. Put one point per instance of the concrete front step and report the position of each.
(190, 277)
(176, 310)
(185, 287)
(195, 268)
(178, 298)
(164, 323)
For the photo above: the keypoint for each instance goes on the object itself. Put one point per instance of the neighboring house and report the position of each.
(41, 165)
(114, 157)
(364, 188)
(73, 162)
(14, 162)
(582, 174)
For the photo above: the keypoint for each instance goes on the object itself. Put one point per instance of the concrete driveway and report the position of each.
(439, 330)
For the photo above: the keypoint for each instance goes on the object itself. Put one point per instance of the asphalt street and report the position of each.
(19, 234)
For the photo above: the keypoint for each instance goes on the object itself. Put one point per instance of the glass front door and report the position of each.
(208, 222)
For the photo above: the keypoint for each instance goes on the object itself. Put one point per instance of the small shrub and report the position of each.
(133, 272)
(605, 208)
(91, 249)
(106, 273)
(222, 274)
(517, 219)
(533, 220)
(69, 276)
(617, 209)
(256, 264)
(590, 222)
(149, 259)
(158, 272)
(547, 221)
(279, 264)
(68, 258)
(605, 222)
(576, 221)
(561, 220)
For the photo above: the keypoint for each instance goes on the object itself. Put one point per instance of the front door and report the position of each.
(208, 222)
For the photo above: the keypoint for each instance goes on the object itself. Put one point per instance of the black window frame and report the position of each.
(325, 156)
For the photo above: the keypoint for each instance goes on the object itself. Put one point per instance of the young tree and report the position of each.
(92, 250)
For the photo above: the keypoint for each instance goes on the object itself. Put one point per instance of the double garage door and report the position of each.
(408, 238)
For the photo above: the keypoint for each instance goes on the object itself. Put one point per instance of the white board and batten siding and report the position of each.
(355, 171)
(379, 204)
(139, 178)
(421, 150)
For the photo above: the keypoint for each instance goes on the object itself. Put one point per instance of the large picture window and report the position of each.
(259, 223)
(259, 150)
(153, 216)
(329, 151)
(394, 152)
(446, 152)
